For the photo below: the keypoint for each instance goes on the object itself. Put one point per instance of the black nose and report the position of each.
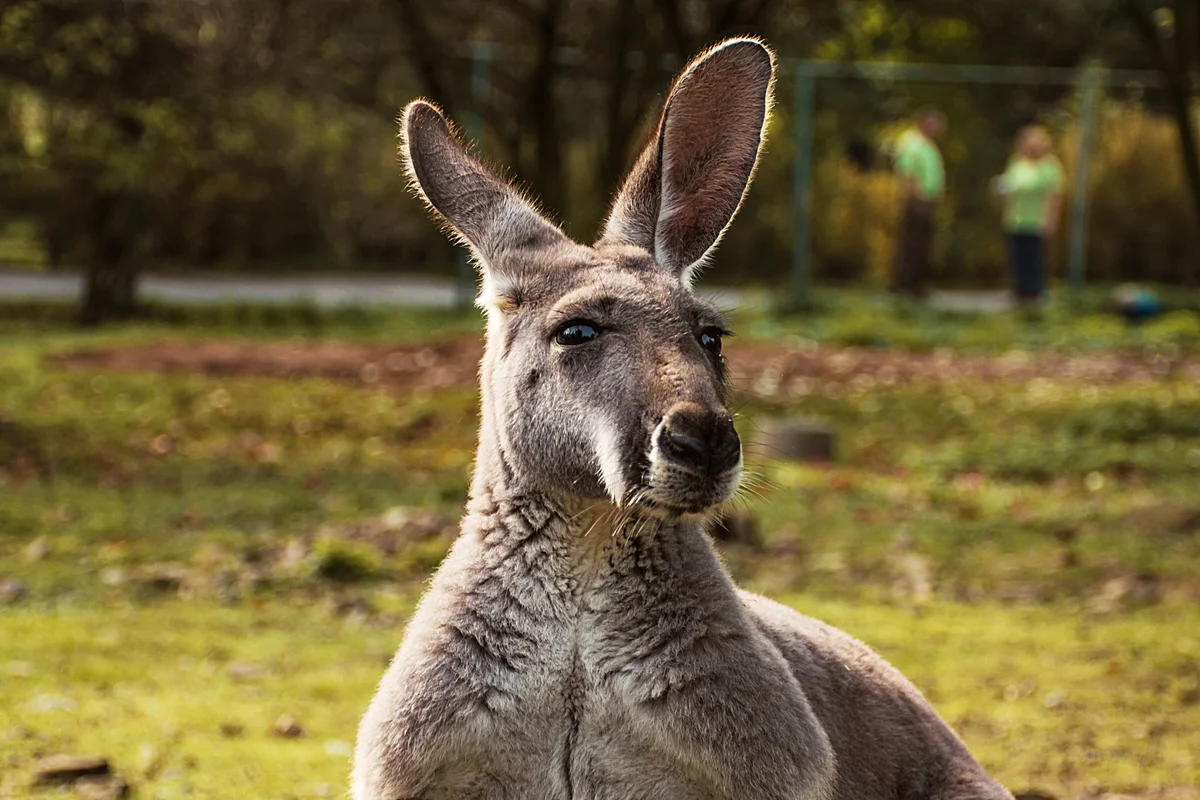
(700, 439)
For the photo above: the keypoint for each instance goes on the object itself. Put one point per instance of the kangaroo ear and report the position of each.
(688, 183)
(480, 208)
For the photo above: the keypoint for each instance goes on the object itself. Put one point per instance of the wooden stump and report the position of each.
(68, 769)
(809, 440)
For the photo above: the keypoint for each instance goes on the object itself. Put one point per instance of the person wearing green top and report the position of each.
(1032, 190)
(918, 164)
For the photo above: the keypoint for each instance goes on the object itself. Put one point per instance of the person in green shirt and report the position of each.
(918, 165)
(1031, 187)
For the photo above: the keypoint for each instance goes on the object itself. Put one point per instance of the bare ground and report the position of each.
(425, 367)
(453, 364)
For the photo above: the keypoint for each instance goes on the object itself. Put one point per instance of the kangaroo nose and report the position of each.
(699, 439)
(686, 447)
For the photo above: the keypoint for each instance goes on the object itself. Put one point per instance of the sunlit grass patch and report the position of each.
(855, 319)
(1068, 703)
(183, 697)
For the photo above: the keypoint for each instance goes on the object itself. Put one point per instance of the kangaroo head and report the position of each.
(603, 373)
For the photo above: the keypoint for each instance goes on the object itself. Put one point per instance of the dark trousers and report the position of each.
(914, 243)
(1029, 267)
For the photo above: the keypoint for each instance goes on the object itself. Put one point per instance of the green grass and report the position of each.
(854, 319)
(182, 696)
(23, 320)
(1026, 552)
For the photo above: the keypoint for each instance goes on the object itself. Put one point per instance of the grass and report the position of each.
(200, 555)
(854, 319)
(182, 696)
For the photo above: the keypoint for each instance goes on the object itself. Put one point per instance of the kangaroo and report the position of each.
(581, 639)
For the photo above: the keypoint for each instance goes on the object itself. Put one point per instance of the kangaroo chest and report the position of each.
(542, 668)
(566, 708)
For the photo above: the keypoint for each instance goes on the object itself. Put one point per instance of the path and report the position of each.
(321, 290)
(325, 291)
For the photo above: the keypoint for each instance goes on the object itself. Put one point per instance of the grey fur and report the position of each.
(581, 639)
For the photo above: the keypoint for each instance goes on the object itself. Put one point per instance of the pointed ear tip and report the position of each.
(747, 55)
(420, 112)
(752, 46)
(418, 107)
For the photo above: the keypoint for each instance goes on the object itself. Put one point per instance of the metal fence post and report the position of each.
(481, 80)
(1077, 257)
(802, 179)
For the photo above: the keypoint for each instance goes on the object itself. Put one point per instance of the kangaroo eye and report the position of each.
(576, 332)
(710, 340)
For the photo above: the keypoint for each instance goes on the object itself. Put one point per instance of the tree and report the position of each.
(1171, 34)
(607, 57)
(96, 66)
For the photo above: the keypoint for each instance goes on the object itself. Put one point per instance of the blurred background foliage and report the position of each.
(233, 135)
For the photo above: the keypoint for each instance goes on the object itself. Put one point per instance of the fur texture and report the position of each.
(581, 639)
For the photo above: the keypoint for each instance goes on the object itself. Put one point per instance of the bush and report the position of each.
(344, 561)
(854, 232)
(867, 327)
(1140, 221)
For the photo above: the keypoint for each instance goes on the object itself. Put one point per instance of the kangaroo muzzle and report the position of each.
(695, 458)
(699, 440)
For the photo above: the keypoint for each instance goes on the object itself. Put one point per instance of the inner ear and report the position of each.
(710, 146)
(689, 182)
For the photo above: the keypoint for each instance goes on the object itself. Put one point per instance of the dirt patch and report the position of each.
(763, 369)
(769, 370)
(437, 365)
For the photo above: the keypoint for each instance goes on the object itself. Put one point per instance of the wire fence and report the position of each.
(801, 109)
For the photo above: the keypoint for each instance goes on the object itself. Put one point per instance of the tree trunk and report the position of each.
(1187, 25)
(110, 285)
(427, 55)
(672, 16)
(1181, 110)
(613, 148)
(1176, 69)
(110, 293)
(544, 110)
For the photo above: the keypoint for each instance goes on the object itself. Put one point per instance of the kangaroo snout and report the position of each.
(701, 440)
(695, 459)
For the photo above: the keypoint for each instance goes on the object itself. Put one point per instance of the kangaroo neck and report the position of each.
(578, 518)
(572, 536)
